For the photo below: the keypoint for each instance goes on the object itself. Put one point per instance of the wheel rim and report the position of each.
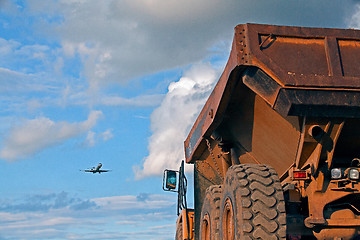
(205, 233)
(228, 221)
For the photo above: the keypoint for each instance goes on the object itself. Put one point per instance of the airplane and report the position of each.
(96, 169)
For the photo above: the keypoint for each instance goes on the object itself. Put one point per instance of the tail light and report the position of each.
(299, 175)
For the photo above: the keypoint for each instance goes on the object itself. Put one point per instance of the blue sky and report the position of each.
(118, 82)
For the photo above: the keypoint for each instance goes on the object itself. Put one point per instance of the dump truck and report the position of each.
(276, 147)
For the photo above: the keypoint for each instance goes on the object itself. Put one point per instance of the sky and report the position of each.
(118, 82)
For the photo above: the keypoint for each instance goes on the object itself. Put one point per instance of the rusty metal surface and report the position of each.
(206, 174)
(289, 97)
(298, 56)
(297, 71)
(273, 141)
(187, 221)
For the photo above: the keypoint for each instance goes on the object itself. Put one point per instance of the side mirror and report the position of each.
(169, 180)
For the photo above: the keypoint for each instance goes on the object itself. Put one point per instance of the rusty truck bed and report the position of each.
(296, 71)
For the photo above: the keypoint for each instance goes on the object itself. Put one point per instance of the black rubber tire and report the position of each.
(179, 232)
(210, 214)
(253, 200)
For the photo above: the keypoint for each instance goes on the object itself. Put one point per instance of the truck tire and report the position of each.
(179, 232)
(210, 214)
(253, 204)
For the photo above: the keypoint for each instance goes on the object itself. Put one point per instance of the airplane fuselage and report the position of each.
(96, 169)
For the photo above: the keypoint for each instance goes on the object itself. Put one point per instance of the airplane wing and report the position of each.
(88, 170)
(95, 170)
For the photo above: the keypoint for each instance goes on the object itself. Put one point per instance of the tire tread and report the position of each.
(263, 207)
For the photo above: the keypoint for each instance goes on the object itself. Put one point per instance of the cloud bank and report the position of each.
(33, 135)
(119, 40)
(62, 216)
(45, 203)
(172, 120)
(354, 20)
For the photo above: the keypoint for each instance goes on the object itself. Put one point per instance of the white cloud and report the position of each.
(107, 135)
(16, 81)
(7, 46)
(119, 40)
(34, 135)
(139, 101)
(128, 213)
(152, 201)
(11, 217)
(26, 76)
(90, 139)
(172, 120)
(354, 21)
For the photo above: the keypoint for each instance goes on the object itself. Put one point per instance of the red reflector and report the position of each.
(299, 174)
